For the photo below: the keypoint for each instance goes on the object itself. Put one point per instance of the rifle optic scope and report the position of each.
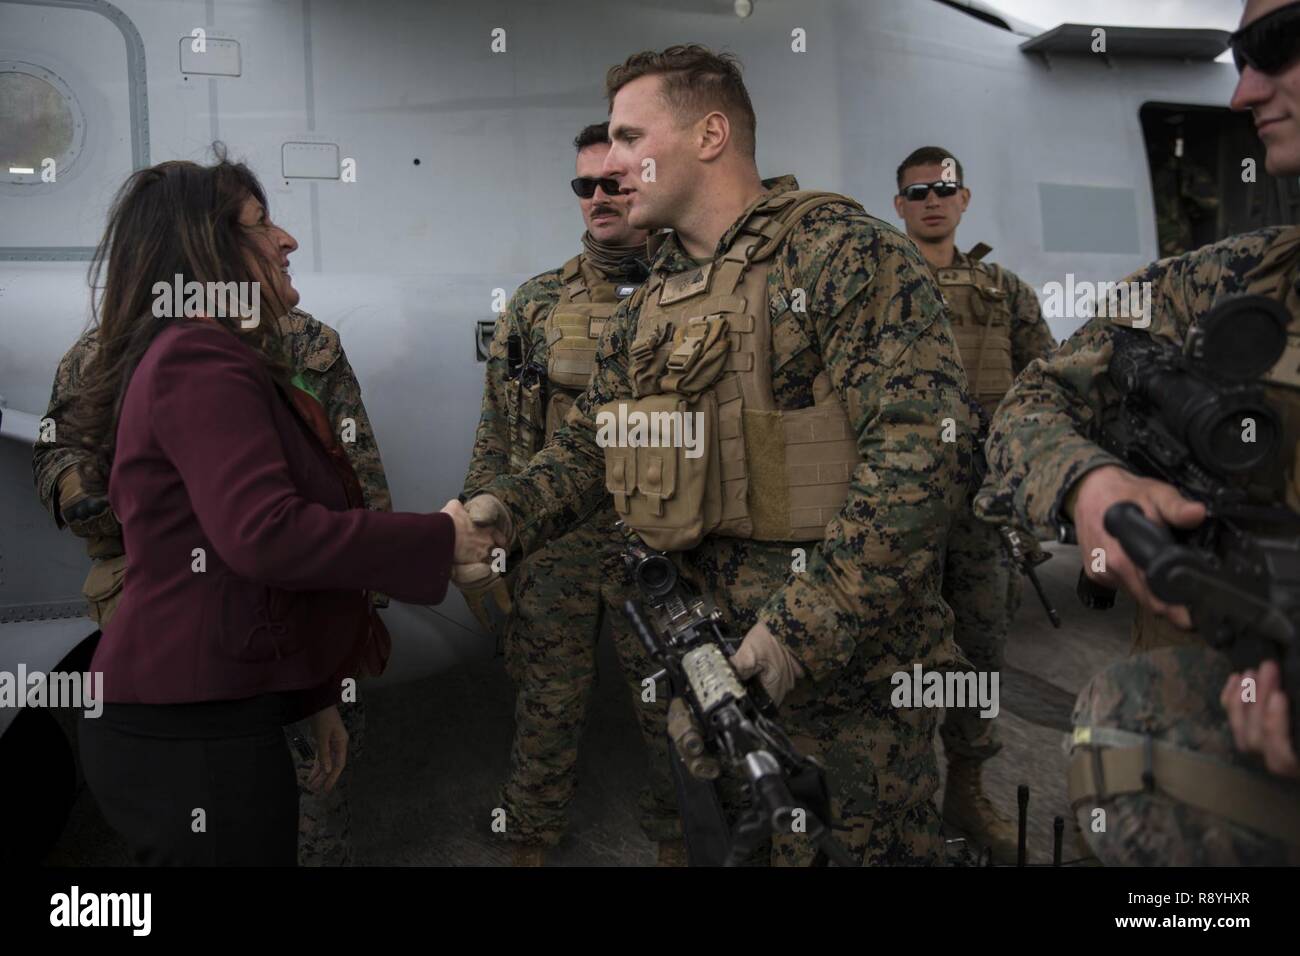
(1207, 395)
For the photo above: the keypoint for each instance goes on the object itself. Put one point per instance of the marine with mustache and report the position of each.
(549, 611)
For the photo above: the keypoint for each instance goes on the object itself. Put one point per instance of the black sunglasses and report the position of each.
(918, 191)
(585, 186)
(1270, 43)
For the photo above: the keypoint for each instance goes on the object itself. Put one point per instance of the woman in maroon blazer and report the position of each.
(250, 556)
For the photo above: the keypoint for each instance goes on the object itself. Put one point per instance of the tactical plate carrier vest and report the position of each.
(979, 310)
(703, 349)
(587, 301)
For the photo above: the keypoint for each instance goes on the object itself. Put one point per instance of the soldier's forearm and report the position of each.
(560, 488)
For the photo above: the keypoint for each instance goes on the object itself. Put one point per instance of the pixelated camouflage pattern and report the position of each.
(1039, 447)
(1040, 443)
(494, 441)
(563, 593)
(979, 582)
(324, 820)
(562, 596)
(869, 602)
(880, 761)
(317, 352)
(983, 590)
(1173, 695)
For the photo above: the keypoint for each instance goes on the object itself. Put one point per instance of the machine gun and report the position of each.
(716, 719)
(1198, 420)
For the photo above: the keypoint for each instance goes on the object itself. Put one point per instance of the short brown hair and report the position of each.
(696, 81)
(592, 135)
(929, 156)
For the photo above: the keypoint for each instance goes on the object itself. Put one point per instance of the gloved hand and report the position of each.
(488, 510)
(762, 654)
(85, 515)
(476, 536)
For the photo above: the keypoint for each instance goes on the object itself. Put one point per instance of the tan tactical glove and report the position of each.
(86, 516)
(483, 586)
(762, 654)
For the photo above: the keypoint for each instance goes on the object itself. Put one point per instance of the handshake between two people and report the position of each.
(481, 526)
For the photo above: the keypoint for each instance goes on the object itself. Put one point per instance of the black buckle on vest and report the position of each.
(1148, 764)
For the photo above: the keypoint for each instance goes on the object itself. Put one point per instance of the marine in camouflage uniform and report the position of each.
(868, 603)
(324, 819)
(980, 584)
(563, 592)
(999, 330)
(1041, 445)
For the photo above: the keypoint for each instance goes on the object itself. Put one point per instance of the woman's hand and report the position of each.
(331, 749)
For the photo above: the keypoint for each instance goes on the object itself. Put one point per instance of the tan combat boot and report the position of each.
(528, 854)
(967, 808)
(672, 853)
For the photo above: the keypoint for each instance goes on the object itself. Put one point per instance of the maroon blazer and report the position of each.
(211, 456)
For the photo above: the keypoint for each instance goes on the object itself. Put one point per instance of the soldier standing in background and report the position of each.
(549, 614)
(1225, 789)
(999, 329)
(324, 818)
(811, 338)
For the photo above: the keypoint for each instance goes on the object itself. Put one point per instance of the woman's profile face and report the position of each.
(274, 246)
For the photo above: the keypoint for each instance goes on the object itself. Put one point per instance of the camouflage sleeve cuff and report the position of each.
(1041, 497)
(816, 632)
(49, 466)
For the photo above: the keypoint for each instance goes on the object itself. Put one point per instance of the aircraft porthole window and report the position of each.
(42, 128)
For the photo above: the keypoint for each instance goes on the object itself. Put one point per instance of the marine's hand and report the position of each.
(1161, 503)
(474, 541)
(488, 510)
(87, 516)
(762, 654)
(1262, 726)
(331, 739)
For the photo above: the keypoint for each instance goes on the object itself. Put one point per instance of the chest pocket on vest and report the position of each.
(571, 337)
(980, 316)
(662, 464)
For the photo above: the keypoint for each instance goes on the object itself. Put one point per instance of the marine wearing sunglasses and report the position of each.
(918, 191)
(1266, 50)
(1269, 44)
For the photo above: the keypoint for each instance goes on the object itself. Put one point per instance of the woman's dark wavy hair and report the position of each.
(175, 218)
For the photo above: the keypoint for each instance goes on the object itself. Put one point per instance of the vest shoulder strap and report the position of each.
(979, 251)
(574, 282)
(783, 212)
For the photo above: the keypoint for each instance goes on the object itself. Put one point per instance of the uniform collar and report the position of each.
(672, 258)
